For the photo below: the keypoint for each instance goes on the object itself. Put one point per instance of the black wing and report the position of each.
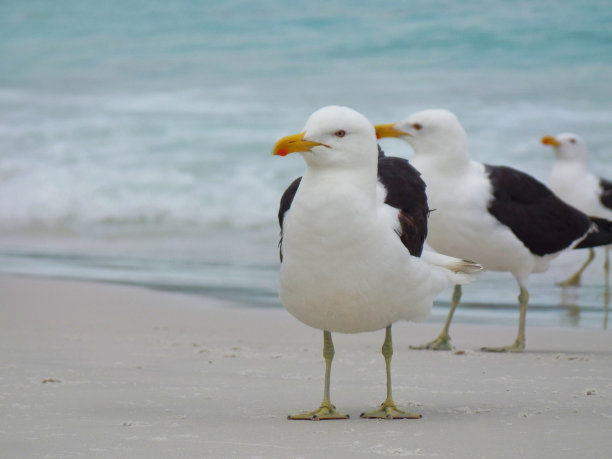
(606, 193)
(542, 221)
(285, 204)
(406, 192)
(600, 234)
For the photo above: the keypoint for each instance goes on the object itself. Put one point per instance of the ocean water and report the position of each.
(135, 136)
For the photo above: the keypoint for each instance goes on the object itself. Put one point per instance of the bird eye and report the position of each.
(417, 126)
(572, 140)
(340, 133)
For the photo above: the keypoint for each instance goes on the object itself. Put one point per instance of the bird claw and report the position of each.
(518, 346)
(326, 411)
(441, 343)
(388, 410)
(573, 281)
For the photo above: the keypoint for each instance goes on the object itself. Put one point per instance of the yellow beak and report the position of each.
(292, 144)
(388, 130)
(550, 140)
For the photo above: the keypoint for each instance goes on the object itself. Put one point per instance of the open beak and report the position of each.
(293, 143)
(550, 140)
(388, 130)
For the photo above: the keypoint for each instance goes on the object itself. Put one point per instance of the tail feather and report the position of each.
(457, 271)
(599, 234)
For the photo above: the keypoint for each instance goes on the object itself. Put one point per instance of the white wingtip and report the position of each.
(458, 271)
(465, 267)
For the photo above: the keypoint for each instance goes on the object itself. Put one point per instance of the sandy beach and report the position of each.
(97, 370)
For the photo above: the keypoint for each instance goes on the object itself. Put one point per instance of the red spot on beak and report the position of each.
(282, 152)
(377, 135)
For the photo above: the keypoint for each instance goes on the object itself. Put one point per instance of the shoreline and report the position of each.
(103, 370)
(474, 309)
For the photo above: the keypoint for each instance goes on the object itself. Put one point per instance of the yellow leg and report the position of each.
(326, 410)
(443, 341)
(388, 410)
(574, 280)
(519, 344)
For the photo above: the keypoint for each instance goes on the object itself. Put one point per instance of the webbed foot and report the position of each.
(324, 412)
(573, 281)
(518, 346)
(388, 410)
(441, 343)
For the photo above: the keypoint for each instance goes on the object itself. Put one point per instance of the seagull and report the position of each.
(497, 216)
(571, 180)
(352, 235)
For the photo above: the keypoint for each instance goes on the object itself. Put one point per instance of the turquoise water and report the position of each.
(135, 136)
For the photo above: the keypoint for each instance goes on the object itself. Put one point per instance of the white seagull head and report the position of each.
(568, 147)
(334, 137)
(430, 132)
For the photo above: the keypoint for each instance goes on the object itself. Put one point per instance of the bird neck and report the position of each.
(353, 181)
(452, 162)
(574, 166)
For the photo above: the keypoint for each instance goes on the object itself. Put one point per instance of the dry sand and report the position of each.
(94, 370)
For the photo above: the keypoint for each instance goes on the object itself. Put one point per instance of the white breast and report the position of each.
(579, 188)
(461, 226)
(344, 268)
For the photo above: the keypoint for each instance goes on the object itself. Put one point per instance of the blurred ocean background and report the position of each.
(135, 136)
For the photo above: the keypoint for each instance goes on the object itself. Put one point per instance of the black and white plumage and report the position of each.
(498, 216)
(404, 190)
(572, 181)
(352, 233)
(362, 216)
(545, 224)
